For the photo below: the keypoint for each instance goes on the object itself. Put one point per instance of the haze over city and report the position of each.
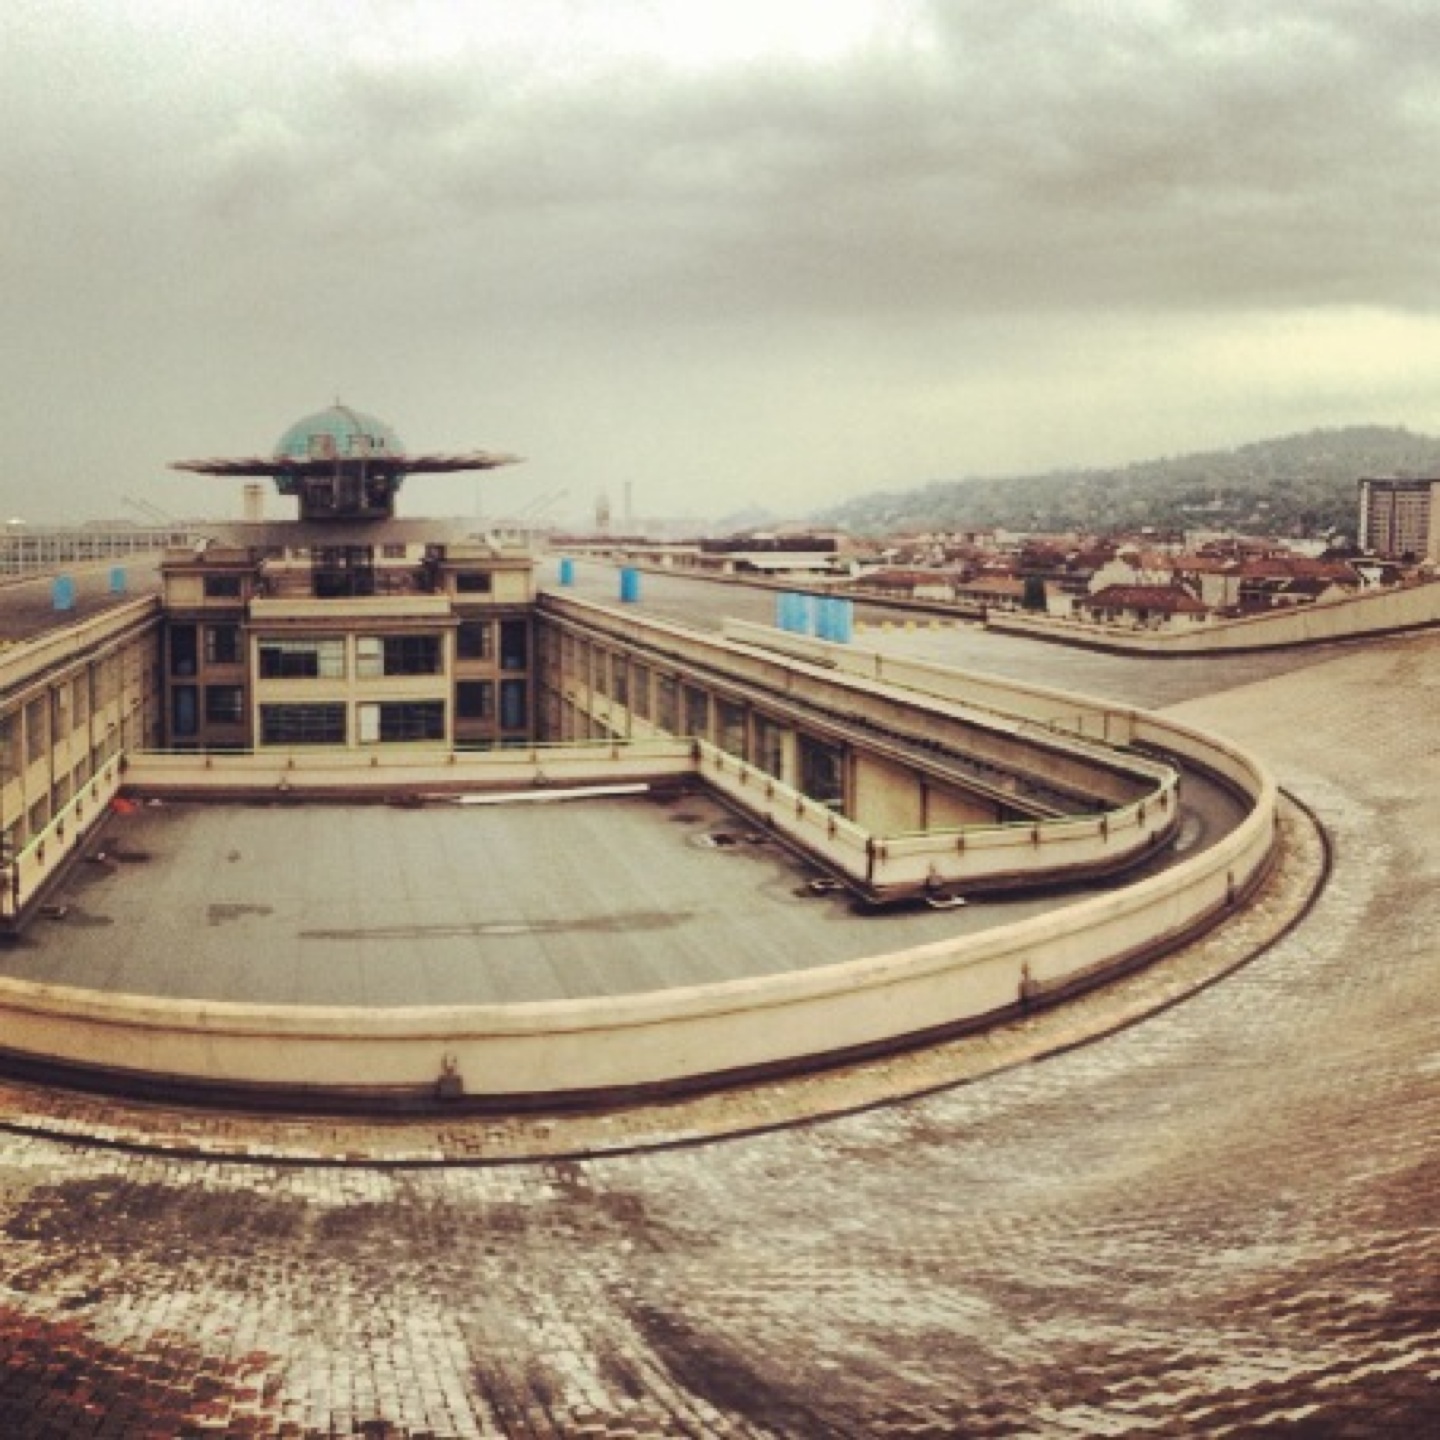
(727, 254)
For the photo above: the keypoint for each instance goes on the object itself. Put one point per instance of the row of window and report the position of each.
(676, 707)
(324, 657)
(20, 829)
(376, 721)
(376, 656)
(385, 722)
(48, 719)
(467, 582)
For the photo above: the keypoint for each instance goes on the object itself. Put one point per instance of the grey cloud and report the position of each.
(1030, 161)
(740, 248)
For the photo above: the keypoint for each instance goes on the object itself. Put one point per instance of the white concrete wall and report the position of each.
(325, 772)
(885, 795)
(88, 690)
(669, 1036)
(1370, 613)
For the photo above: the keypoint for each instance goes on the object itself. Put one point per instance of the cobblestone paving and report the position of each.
(1222, 1221)
(1294, 879)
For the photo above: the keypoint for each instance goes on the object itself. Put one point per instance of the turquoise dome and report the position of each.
(338, 432)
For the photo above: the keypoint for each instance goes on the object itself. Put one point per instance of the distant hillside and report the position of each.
(1301, 485)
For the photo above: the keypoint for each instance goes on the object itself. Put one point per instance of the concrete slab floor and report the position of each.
(378, 905)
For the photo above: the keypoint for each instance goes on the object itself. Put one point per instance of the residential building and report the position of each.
(1400, 519)
(1151, 607)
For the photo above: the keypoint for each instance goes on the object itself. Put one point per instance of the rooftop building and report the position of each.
(347, 626)
(349, 655)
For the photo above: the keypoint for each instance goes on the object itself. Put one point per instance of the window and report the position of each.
(369, 657)
(224, 704)
(184, 712)
(640, 690)
(37, 730)
(473, 582)
(9, 745)
(474, 640)
(769, 747)
(697, 713)
(514, 644)
(822, 771)
(223, 587)
(302, 724)
(182, 649)
(730, 722)
(667, 702)
(513, 709)
(401, 720)
(474, 699)
(59, 713)
(412, 655)
(322, 659)
(377, 655)
(222, 644)
(413, 720)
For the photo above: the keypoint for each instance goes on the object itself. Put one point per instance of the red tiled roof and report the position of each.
(1169, 598)
(1007, 585)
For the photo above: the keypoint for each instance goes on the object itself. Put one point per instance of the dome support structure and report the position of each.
(343, 465)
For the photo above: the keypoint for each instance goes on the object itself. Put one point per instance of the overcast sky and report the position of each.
(727, 252)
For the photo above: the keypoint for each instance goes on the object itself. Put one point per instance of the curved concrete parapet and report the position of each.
(972, 859)
(589, 1050)
(1379, 612)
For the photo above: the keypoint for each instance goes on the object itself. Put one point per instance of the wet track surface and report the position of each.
(1222, 1221)
(27, 607)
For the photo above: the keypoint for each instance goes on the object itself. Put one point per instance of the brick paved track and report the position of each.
(1224, 1221)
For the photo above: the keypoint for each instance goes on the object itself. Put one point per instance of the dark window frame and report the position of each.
(224, 704)
(474, 699)
(223, 645)
(305, 723)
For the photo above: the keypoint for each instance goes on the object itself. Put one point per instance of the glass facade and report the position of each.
(474, 699)
(224, 704)
(321, 724)
(317, 659)
(222, 645)
(396, 721)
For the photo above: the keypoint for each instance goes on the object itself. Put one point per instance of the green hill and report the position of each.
(1298, 486)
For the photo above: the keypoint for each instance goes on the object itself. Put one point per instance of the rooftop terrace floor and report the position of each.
(378, 905)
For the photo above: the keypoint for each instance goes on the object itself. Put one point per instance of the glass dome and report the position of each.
(338, 432)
